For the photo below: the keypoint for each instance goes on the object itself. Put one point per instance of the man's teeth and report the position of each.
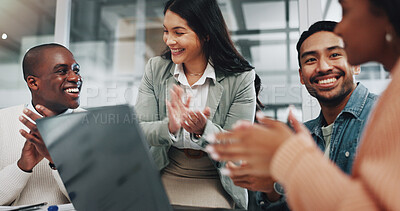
(72, 90)
(177, 50)
(327, 81)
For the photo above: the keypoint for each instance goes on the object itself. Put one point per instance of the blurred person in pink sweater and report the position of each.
(371, 32)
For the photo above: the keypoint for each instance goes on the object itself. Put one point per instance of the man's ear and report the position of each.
(32, 82)
(301, 76)
(356, 69)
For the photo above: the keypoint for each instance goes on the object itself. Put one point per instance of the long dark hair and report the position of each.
(205, 18)
(391, 9)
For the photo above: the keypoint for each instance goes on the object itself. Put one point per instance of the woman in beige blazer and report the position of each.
(202, 64)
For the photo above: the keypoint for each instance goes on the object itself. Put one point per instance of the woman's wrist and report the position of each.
(171, 129)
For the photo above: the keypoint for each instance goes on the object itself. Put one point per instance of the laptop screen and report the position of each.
(103, 160)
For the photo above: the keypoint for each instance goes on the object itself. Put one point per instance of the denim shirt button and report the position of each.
(262, 203)
(347, 154)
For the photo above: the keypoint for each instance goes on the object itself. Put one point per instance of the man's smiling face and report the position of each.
(324, 68)
(58, 79)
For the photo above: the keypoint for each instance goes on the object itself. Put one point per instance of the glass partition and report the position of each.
(112, 41)
(23, 24)
(266, 32)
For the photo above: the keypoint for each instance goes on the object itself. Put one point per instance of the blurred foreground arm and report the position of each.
(311, 181)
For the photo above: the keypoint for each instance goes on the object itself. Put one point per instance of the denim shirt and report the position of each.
(346, 134)
(347, 128)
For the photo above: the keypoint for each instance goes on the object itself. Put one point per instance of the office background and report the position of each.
(113, 39)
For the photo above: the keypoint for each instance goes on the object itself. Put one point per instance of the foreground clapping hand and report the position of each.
(254, 143)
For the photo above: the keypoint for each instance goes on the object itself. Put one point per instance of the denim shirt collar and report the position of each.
(354, 106)
(357, 101)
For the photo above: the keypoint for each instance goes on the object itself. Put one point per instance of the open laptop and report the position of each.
(103, 160)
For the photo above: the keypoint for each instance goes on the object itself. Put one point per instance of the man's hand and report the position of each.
(34, 149)
(30, 157)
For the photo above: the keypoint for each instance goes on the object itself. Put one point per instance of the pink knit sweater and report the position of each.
(314, 183)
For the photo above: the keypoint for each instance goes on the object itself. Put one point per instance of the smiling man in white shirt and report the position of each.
(27, 174)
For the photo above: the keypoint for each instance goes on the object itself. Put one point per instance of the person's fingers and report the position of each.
(297, 126)
(175, 88)
(28, 147)
(238, 175)
(23, 133)
(233, 168)
(259, 169)
(193, 117)
(189, 121)
(187, 104)
(265, 120)
(232, 152)
(231, 136)
(241, 124)
(31, 114)
(230, 164)
(27, 123)
(179, 91)
(173, 96)
(176, 99)
(37, 135)
(202, 120)
(186, 126)
(170, 109)
(200, 116)
(239, 178)
(237, 172)
(30, 137)
(240, 182)
(198, 119)
(179, 94)
(181, 106)
(37, 143)
(243, 184)
(173, 123)
(207, 112)
(44, 111)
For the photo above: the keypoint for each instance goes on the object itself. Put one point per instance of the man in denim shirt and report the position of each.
(345, 105)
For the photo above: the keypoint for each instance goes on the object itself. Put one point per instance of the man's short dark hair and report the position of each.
(33, 57)
(316, 27)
